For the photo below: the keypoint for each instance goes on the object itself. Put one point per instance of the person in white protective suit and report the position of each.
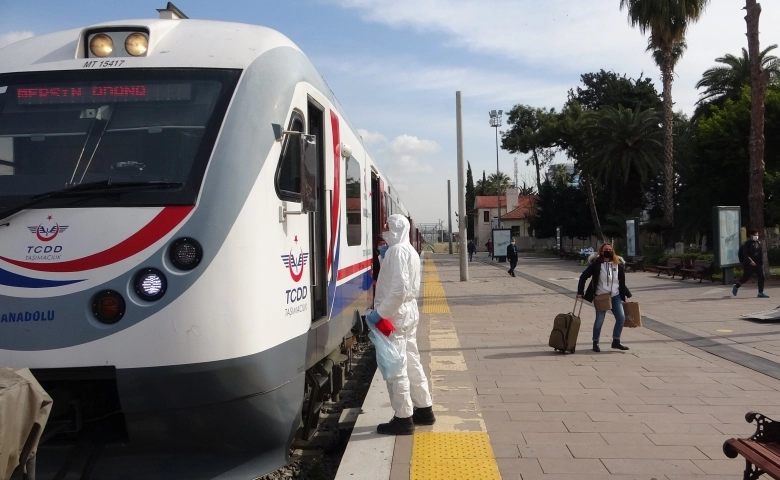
(396, 300)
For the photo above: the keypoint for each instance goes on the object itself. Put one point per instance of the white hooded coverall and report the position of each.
(396, 300)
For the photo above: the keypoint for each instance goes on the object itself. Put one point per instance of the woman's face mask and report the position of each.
(755, 237)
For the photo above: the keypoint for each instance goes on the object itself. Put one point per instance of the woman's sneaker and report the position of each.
(763, 295)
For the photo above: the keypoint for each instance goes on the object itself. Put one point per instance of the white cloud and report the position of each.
(12, 37)
(554, 41)
(412, 146)
(372, 138)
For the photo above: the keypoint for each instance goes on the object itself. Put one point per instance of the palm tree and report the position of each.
(622, 142)
(667, 21)
(727, 81)
(503, 183)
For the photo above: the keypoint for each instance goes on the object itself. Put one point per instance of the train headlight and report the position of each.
(101, 45)
(185, 253)
(136, 44)
(150, 284)
(108, 306)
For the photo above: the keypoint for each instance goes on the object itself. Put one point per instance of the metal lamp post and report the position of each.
(495, 121)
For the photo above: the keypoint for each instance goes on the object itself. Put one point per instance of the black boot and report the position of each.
(424, 416)
(616, 344)
(596, 347)
(396, 426)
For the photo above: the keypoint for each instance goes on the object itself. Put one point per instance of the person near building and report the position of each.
(489, 246)
(608, 273)
(472, 249)
(511, 255)
(396, 300)
(751, 254)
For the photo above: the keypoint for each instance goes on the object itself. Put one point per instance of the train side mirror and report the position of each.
(309, 173)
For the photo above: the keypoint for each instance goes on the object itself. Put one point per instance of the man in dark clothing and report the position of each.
(489, 246)
(752, 258)
(511, 255)
(472, 249)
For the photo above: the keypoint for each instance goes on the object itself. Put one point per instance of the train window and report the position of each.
(354, 208)
(288, 174)
(149, 134)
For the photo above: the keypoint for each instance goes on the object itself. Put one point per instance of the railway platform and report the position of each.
(510, 407)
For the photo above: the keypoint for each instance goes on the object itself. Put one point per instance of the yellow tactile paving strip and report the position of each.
(434, 300)
(448, 455)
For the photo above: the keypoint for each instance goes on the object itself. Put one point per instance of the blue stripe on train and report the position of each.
(15, 280)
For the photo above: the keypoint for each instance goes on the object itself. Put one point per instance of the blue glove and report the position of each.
(382, 251)
(373, 317)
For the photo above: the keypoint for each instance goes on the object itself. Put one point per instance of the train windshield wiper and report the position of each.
(86, 189)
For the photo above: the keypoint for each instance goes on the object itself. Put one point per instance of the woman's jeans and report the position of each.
(620, 319)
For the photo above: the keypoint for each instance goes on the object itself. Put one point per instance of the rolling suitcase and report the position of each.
(566, 327)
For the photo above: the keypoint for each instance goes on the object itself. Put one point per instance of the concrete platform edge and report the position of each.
(368, 454)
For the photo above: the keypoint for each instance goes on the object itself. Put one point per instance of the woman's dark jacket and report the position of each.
(594, 270)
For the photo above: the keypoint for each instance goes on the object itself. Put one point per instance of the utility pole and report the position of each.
(449, 214)
(463, 217)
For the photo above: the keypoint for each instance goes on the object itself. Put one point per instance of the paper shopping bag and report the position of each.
(633, 316)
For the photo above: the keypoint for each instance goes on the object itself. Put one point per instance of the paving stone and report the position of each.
(571, 465)
(634, 466)
(564, 438)
(636, 452)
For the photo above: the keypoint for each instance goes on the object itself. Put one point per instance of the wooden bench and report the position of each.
(636, 263)
(702, 268)
(673, 265)
(761, 451)
(565, 254)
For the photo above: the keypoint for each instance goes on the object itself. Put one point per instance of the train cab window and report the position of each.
(120, 137)
(288, 175)
(354, 207)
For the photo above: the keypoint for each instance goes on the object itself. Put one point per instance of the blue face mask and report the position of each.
(382, 251)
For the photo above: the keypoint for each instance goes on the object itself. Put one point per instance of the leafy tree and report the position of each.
(667, 21)
(604, 88)
(533, 131)
(724, 82)
(490, 185)
(560, 204)
(719, 171)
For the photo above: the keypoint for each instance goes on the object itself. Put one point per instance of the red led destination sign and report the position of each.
(111, 93)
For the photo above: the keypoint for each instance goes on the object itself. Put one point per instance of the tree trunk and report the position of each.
(592, 204)
(538, 176)
(758, 83)
(667, 77)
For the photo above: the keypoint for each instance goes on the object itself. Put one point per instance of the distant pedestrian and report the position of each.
(751, 255)
(489, 246)
(511, 255)
(604, 268)
(472, 249)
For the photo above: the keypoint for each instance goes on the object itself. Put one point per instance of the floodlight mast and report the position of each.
(495, 121)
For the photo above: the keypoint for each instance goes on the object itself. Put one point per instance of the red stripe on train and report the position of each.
(158, 227)
(351, 270)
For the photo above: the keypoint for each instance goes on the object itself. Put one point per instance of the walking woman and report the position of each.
(608, 273)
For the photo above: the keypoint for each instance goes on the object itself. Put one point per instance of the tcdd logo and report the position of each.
(48, 232)
(295, 294)
(295, 264)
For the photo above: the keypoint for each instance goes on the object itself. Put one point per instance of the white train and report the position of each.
(176, 259)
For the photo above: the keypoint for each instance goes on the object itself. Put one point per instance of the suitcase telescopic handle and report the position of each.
(582, 302)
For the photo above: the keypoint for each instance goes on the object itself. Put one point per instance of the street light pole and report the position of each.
(495, 121)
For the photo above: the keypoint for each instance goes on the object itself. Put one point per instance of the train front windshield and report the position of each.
(148, 132)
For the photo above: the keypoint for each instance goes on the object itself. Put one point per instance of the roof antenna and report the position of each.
(170, 12)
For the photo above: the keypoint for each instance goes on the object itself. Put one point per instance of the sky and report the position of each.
(395, 66)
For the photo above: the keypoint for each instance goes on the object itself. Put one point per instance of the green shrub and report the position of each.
(653, 255)
(774, 256)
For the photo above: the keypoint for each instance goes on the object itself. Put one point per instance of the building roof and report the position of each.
(490, 201)
(526, 206)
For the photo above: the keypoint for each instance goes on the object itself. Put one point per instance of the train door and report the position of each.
(376, 201)
(318, 231)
